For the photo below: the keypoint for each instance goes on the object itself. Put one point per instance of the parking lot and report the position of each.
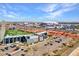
(37, 49)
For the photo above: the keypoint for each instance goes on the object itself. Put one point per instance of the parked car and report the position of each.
(25, 50)
(57, 41)
(64, 44)
(60, 39)
(51, 44)
(8, 54)
(6, 48)
(17, 48)
(22, 54)
(22, 49)
(12, 46)
(2, 49)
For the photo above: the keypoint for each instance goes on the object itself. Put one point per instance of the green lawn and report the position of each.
(77, 27)
(16, 32)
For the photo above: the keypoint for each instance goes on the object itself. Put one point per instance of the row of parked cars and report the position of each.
(14, 47)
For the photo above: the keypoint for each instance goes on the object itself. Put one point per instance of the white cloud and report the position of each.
(12, 13)
(55, 14)
(66, 5)
(60, 11)
(8, 14)
(50, 7)
(11, 16)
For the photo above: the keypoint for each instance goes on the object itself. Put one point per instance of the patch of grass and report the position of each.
(16, 32)
(77, 27)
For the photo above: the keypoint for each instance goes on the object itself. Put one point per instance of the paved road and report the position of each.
(70, 50)
(75, 52)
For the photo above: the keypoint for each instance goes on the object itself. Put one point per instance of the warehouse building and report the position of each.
(25, 38)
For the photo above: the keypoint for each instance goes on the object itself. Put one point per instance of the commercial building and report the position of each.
(25, 38)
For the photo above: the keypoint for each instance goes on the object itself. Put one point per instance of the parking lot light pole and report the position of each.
(9, 40)
(20, 39)
(13, 40)
(3, 42)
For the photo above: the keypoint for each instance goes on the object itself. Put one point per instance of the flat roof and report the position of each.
(41, 32)
(17, 36)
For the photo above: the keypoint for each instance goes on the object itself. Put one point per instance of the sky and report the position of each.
(40, 12)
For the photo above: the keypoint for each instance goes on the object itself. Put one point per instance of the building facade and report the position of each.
(25, 38)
